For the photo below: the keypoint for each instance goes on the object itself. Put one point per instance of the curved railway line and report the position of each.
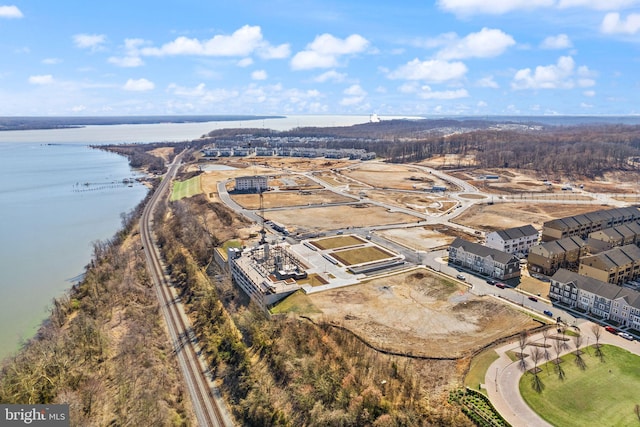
(204, 402)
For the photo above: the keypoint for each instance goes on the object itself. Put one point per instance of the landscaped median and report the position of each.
(478, 408)
(603, 390)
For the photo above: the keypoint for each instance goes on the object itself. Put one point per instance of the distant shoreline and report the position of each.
(44, 123)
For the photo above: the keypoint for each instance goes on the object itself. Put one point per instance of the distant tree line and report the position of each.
(587, 150)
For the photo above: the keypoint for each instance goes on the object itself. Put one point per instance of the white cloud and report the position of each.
(331, 75)
(434, 70)
(259, 75)
(597, 4)
(585, 105)
(126, 61)
(41, 79)
(355, 95)
(488, 82)
(89, 41)
(245, 62)
(499, 7)
(51, 61)
(139, 85)
(482, 104)
(243, 42)
(427, 93)
(275, 52)
(612, 24)
(10, 12)
(487, 43)
(493, 7)
(561, 41)
(325, 51)
(589, 93)
(556, 76)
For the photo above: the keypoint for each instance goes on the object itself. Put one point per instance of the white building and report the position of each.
(255, 184)
(516, 240)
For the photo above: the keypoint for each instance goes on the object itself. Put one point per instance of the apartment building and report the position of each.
(484, 260)
(515, 240)
(606, 300)
(548, 257)
(582, 225)
(617, 265)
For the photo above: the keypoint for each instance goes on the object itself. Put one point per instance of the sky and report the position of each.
(442, 58)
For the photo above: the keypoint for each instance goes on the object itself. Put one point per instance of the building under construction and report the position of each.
(267, 273)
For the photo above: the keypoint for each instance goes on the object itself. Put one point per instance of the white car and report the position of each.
(461, 277)
(625, 336)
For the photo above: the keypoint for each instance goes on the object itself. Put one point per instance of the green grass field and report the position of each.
(605, 393)
(188, 188)
(478, 369)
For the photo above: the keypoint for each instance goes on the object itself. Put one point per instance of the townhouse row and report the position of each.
(593, 296)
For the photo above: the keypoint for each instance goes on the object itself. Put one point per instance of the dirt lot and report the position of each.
(428, 203)
(335, 217)
(506, 215)
(386, 175)
(420, 314)
(425, 238)
(276, 199)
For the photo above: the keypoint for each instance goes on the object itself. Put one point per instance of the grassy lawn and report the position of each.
(337, 242)
(605, 393)
(360, 255)
(188, 188)
(478, 369)
(297, 302)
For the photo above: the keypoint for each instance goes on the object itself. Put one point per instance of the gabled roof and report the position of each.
(593, 217)
(615, 257)
(598, 287)
(517, 232)
(484, 251)
(556, 247)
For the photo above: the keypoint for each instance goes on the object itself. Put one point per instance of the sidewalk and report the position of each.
(503, 376)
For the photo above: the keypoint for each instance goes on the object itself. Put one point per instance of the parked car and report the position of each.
(500, 285)
(626, 336)
(548, 313)
(611, 329)
(534, 299)
(492, 282)
(461, 277)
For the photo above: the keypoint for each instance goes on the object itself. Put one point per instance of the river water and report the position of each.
(58, 196)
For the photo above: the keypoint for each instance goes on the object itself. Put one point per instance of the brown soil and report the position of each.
(506, 215)
(420, 314)
(276, 199)
(335, 217)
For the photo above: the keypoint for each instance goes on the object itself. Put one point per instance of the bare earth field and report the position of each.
(505, 215)
(423, 238)
(420, 314)
(277, 199)
(334, 217)
(387, 175)
(425, 203)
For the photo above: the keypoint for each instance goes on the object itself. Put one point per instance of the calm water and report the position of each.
(49, 218)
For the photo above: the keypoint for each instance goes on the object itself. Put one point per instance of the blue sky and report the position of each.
(444, 57)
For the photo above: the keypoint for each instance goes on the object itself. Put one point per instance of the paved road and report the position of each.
(503, 376)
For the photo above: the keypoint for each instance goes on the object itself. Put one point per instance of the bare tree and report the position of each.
(522, 343)
(545, 336)
(578, 353)
(536, 382)
(557, 346)
(597, 331)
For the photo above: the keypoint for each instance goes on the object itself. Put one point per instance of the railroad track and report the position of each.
(205, 406)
